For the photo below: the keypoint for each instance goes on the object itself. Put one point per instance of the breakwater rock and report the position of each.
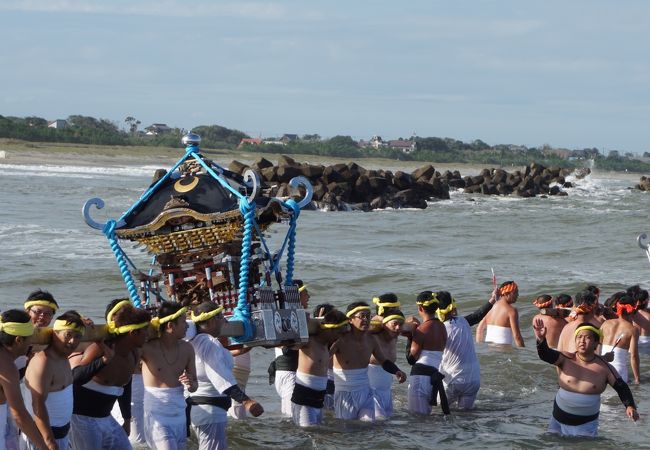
(644, 184)
(343, 187)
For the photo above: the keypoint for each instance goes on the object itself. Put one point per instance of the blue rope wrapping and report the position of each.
(243, 310)
(291, 249)
(109, 231)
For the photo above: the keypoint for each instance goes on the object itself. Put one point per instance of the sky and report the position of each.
(571, 74)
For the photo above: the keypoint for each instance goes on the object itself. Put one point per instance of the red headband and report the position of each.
(628, 309)
(542, 304)
(508, 288)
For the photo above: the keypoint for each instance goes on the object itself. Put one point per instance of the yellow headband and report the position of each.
(127, 328)
(442, 313)
(157, 321)
(63, 325)
(302, 288)
(434, 299)
(18, 328)
(37, 302)
(205, 315)
(352, 312)
(589, 328)
(382, 305)
(392, 317)
(115, 309)
(330, 326)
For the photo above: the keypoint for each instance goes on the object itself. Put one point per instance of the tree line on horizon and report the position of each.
(89, 130)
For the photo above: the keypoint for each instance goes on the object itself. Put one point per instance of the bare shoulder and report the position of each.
(185, 346)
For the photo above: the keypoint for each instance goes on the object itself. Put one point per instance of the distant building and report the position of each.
(403, 145)
(156, 129)
(376, 142)
(59, 124)
(250, 141)
(286, 138)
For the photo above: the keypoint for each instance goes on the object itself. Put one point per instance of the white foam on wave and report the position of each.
(47, 170)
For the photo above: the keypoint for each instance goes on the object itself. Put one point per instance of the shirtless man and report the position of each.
(353, 397)
(459, 363)
(582, 376)
(216, 382)
(168, 365)
(641, 319)
(553, 318)
(381, 382)
(584, 310)
(502, 322)
(424, 352)
(49, 381)
(308, 398)
(102, 374)
(41, 307)
(621, 337)
(15, 328)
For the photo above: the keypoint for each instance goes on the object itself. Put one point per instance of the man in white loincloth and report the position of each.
(352, 396)
(102, 375)
(621, 337)
(49, 382)
(381, 382)
(168, 365)
(424, 350)
(15, 328)
(308, 397)
(582, 377)
(216, 383)
(501, 324)
(459, 363)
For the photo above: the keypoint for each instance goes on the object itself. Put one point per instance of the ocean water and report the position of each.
(548, 245)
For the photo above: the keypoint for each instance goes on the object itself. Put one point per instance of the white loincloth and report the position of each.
(498, 335)
(419, 390)
(284, 381)
(211, 436)
(578, 405)
(353, 397)
(137, 411)
(97, 432)
(459, 364)
(621, 360)
(308, 416)
(381, 383)
(116, 391)
(164, 415)
(3, 422)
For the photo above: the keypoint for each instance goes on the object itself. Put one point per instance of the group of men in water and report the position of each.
(60, 397)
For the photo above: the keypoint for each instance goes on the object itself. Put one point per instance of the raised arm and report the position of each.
(544, 352)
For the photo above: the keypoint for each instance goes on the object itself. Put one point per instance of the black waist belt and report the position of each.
(436, 383)
(222, 401)
(88, 402)
(61, 432)
(330, 387)
(571, 419)
(303, 395)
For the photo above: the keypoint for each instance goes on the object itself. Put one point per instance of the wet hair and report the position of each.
(353, 305)
(615, 298)
(41, 295)
(626, 300)
(298, 283)
(563, 300)
(128, 315)
(389, 297)
(543, 301)
(167, 309)
(593, 289)
(72, 318)
(204, 307)
(585, 298)
(642, 298)
(423, 297)
(444, 299)
(12, 315)
(334, 316)
(393, 312)
(323, 308)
